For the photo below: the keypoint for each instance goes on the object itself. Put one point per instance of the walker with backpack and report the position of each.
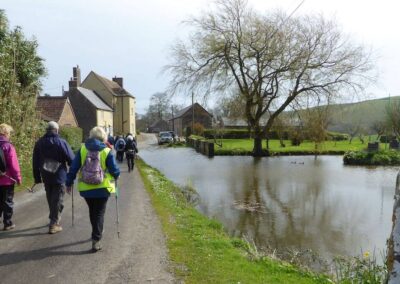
(3, 170)
(92, 173)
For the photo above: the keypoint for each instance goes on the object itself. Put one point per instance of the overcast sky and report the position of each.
(131, 38)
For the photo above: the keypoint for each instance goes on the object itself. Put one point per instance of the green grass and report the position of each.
(27, 176)
(199, 249)
(245, 147)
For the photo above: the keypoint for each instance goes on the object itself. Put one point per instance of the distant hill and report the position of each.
(364, 113)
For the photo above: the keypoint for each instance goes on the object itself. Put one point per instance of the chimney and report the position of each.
(72, 84)
(119, 81)
(76, 72)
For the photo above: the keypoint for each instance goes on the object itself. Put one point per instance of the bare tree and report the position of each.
(393, 117)
(271, 59)
(353, 129)
(379, 127)
(159, 104)
(280, 126)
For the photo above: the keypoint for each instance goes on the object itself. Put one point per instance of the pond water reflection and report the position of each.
(303, 203)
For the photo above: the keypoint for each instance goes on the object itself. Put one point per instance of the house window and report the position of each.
(132, 111)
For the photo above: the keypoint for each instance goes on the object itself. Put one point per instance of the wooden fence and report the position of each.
(203, 147)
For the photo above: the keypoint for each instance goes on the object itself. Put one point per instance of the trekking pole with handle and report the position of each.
(116, 206)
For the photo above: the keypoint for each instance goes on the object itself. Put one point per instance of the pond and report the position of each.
(295, 202)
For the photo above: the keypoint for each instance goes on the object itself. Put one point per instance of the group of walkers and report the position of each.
(94, 164)
(125, 145)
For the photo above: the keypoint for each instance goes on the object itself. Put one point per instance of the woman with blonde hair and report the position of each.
(97, 170)
(8, 178)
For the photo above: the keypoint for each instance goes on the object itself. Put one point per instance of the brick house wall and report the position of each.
(67, 117)
(85, 113)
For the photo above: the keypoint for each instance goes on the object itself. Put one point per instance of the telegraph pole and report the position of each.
(173, 119)
(192, 113)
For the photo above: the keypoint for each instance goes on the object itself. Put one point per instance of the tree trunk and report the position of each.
(393, 259)
(257, 150)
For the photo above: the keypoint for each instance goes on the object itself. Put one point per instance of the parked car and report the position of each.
(165, 137)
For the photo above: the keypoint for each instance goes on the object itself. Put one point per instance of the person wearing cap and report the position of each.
(51, 156)
(9, 178)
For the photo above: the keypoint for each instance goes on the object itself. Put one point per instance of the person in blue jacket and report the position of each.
(51, 156)
(95, 195)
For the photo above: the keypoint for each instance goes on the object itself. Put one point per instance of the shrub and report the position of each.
(198, 129)
(73, 135)
(228, 133)
(381, 159)
(386, 138)
(364, 269)
(188, 131)
(336, 136)
(385, 157)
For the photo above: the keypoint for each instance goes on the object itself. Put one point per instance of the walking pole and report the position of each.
(116, 206)
(15, 181)
(72, 196)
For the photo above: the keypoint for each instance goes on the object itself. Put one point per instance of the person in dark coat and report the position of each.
(120, 147)
(130, 151)
(51, 156)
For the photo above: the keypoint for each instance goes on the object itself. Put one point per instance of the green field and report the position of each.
(245, 147)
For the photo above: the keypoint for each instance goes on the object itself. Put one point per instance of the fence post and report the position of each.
(210, 149)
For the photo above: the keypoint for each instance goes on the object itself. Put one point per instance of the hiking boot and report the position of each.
(96, 246)
(10, 227)
(55, 229)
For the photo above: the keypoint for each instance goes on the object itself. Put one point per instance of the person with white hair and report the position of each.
(8, 178)
(97, 169)
(51, 156)
(130, 151)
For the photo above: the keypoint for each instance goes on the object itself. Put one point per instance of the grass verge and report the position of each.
(200, 250)
(27, 177)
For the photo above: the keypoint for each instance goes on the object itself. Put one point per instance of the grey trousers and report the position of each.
(55, 194)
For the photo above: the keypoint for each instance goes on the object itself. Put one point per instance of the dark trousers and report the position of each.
(120, 156)
(55, 194)
(6, 203)
(97, 209)
(130, 158)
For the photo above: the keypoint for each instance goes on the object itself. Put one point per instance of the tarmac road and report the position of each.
(28, 254)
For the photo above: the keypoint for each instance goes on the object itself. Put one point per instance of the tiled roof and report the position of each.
(51, 107)
(94, 99)
(182, 112)
(113, 86)
(186, 109)
(159, 123)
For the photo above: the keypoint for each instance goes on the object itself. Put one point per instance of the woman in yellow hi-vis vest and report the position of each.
(97, 173)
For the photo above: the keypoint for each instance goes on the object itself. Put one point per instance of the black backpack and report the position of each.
(3, 164)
